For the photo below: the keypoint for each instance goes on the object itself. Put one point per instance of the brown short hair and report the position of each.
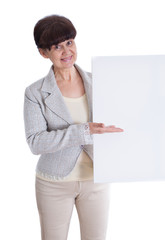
(52, 30)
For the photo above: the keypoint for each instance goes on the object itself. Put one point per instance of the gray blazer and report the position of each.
(50, 130)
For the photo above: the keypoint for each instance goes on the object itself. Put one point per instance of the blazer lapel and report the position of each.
(55, 100)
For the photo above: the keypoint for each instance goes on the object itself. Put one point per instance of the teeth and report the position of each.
(67, 59)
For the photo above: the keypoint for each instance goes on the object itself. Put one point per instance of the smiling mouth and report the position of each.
(67, 59)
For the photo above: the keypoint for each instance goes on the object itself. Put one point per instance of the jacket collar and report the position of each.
(55, 100)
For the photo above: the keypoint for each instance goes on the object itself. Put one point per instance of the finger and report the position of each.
(108, 130)
(111, 126)
(115, 130)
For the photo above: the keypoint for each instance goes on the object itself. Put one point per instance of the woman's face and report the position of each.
(62, 55)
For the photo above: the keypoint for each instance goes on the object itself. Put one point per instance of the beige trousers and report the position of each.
(55, 203)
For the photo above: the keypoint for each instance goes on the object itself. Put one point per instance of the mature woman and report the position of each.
(58, 125)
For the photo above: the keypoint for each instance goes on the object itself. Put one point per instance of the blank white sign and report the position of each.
(129, 92)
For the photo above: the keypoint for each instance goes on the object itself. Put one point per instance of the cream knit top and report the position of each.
(83, 170)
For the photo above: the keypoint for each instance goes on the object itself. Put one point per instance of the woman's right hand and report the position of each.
(99, 128)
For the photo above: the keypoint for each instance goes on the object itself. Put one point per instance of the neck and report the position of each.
(67, 74)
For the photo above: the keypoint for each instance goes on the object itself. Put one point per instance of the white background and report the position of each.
(115, 27)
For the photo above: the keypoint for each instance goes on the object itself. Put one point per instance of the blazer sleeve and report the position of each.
(42, 141)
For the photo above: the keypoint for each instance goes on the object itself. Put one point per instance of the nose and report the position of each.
(66, 50)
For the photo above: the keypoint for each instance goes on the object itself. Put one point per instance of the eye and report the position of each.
(57, 47)
(69, 43)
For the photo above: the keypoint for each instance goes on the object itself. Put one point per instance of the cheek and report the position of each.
(74, 51)
(57, 57)
(75, 56)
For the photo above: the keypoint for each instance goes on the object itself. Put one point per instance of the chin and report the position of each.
(68, 65)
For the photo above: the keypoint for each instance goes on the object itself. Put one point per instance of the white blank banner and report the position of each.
(129, 92)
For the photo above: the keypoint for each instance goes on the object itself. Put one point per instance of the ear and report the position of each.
(43, 52)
